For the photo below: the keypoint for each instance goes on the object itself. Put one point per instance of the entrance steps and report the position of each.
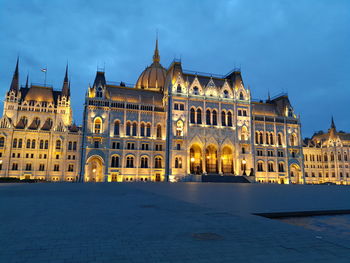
(216, 178)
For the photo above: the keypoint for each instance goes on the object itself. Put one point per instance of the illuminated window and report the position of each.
(97, 125)
(178, 162)
(159, 131)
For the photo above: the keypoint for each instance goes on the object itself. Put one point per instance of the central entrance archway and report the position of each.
(227, 160)
(195, 159)
(295, 173)
(94, 169)
(211, 159)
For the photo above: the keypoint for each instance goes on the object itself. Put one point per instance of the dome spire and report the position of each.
(156, 57)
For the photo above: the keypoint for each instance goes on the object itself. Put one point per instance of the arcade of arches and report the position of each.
(211, 160)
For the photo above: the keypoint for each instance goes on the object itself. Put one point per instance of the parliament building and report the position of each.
(172, 125)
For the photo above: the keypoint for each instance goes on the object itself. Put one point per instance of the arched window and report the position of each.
(279, 136)
(271, 138)
(99, 92)
(261, 138)
(199, 116)
(128, 129)
(130, 162)
(215, 118)
(97, 125)
(148, 130)
(256, 137)
(159, 131)
(178, 89)
(70, 145)
(28, 143)
(33, 144)
(281, 167)
(325, 157)
(116, 128)
(115, 161)
(20, 143)
(339, 156)
(260, 166)
(178, 162)
(195, 91)
(41, 144)
(267, 138)
(241, 96)
(270, 167)
(345, 156)
(134, 129)
(158, 162)
(229, 119)
(179, 128)
(142, 129)
(58, 144)
(192, 115)
(14, 143)
(46, 144)
(293, 140)
(2, 142)
(207, 117)
(223, 118)
(144, 162)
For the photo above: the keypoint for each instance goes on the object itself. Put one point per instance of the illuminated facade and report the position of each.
(37, 137)
(326, 157)
(179, 125)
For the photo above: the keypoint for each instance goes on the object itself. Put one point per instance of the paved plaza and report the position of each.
(164, 222)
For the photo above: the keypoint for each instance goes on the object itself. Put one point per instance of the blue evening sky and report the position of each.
(299, 46)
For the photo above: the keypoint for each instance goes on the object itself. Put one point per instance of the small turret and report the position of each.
(332, 131)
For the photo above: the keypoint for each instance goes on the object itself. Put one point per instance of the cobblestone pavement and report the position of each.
(150, 222)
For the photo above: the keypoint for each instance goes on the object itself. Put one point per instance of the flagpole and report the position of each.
(45, 75)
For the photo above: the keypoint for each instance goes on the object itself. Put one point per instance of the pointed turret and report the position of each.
(332, 124)
(15, 79)
(100, 79)
(66, 84)
(332, 131)
(27, 81)
(156, 57)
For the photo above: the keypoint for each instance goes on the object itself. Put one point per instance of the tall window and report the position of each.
(199, 116)
(144, 162)
(267, 138)
(256, 137)
(223, 118)
(229, 119)
(293, 140)
(260, 166)
(142, 129)
(241, 96)
(46, 144)
(58, 144)
(14, 144)
(279, 138)
(28, 167)
(215, 118)
(207, 116)
(178, 162)
(130, 162)
(115, 161)
(281, 167)
(192, 115)
(99, 92)
(74, 146)
(41, 144)
(270, 167)
(28, 143)
(271, 139)
(159, 131)
(148, 130)
(134, 129)
(128, 129)
(116, 128)
(158, 162)
(97, 125)
(33, 144)
(20, 143)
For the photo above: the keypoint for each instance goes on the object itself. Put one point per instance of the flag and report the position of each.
(43, 69)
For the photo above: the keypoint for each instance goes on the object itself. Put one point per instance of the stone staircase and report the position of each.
(216, 178)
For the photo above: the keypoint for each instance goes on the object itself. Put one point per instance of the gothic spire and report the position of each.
(156, 57)
(66, 84)
(15, 79)
(332, 124)
(27, 81)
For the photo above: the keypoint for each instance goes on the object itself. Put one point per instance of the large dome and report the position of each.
(153, 77)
